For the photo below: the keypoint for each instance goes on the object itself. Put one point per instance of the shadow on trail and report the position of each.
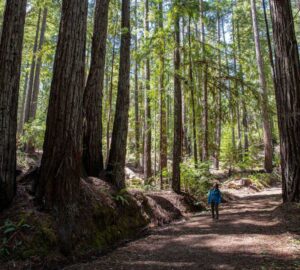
(247, 236)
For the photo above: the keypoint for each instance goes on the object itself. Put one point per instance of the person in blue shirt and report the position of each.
(214, 199)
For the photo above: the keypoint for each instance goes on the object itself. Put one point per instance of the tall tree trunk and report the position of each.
(177, 144)
(36, 82)
(32, 71)
(192, 88)
(287, 70)
(136, 95)
(21, 118)
(110, 95)
(60, 170)
(204, 90)
(263, 95)
(117, 154)
(219, 104)
(92, 100)
(163, 109)
(244, 107)
(147, 135)
(10, 69)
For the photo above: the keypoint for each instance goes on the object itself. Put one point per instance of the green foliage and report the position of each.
(10, 242)
(122, 197)
(195, 181)
(34, 132)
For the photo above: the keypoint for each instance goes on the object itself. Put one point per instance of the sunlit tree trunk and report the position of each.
(147, 129)
(163, 109)
(10, 69)
(192, 89)
(287, 89)
(263, 93)
(32, 72)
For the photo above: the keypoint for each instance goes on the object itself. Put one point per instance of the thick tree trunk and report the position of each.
(92, 100)
(163, 109)
(10, 69)
(32, 71)
(287, 70)
(117, 155)
(61, 162)
(263, 93)
(177, 144)
(147, 135)
(36, 83)
(192, 90)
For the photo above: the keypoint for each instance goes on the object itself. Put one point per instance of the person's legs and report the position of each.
(217, 210)
(212, 209)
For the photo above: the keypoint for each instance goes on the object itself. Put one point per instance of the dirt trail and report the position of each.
(245, 237)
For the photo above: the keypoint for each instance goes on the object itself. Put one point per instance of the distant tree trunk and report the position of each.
(192, 86)
(147, 135)
(117, 154)
(287, 70)
(244, 107)
(32, 71)
(219, 105)
(36, 83)
(92, 99)
(10, 69)
(21, 118)
(60, 170)
(163, 109)
(136, 96)
(110, 95)
(177, 144)
(204, 90)
(29, 148)
(264, 94)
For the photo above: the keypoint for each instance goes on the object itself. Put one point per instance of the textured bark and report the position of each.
(36, 83)
(263, 93)
(10, 69)
(147, 135)
(92, 101)
(136, 96)
(192, 90)
(117, 154)
(287, 70)
(60, 170)
(32, 71)
(177, 144)
(163, 108)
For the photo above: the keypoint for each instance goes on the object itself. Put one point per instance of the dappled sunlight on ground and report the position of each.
(245, 237)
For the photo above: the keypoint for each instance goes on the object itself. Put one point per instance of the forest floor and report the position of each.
(252, 233)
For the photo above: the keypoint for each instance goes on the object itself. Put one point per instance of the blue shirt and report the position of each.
(215, 196)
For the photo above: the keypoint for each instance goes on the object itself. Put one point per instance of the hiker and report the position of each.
(214, 199)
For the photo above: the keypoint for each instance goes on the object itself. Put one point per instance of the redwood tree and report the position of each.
(117, 154)
(92, 141)
(177, 144)
(287, 89)
(61, 162)
(10, 68)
